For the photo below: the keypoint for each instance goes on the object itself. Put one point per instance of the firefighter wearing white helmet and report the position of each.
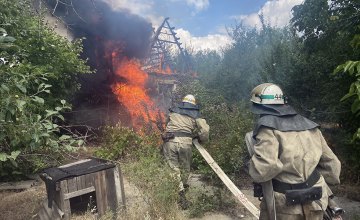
(267, 93)
(184, 124)
(189, 99)
(291, 152)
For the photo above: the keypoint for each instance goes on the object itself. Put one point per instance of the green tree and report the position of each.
(353, 68)
(346, 15)
(239, 69)
(328, 31)
(38, 72)
(322, 34)
(206, 65)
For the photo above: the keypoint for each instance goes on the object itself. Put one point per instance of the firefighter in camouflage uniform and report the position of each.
(184, 124)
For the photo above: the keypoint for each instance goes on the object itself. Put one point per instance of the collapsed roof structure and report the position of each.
(160, 64)
(161, 52)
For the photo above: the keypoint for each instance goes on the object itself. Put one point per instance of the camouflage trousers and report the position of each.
(179, 156)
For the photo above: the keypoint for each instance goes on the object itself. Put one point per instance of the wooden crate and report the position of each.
(107, 185)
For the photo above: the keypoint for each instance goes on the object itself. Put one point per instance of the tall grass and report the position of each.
(143, 166)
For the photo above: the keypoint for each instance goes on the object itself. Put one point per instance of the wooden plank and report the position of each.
(57, 196)
(90, 179)
(47, 210)
(87, 180)
(103, 190)
(99, 194)
(83, 183)
(226, 180)
(64, 204)
(71, 185)
(78, 183)
(77, 162)
(79, 192)
(17, 185)
(67, 210)
(53, 213)
(43, 214)
(119, 184)
(111, 190)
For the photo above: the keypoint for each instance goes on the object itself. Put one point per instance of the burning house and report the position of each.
(135, 70)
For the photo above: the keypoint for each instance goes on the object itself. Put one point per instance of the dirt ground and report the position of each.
(23, 205)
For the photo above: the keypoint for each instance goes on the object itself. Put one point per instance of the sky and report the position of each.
(202, 24)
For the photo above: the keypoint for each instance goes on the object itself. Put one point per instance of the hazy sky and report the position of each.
(202, 24)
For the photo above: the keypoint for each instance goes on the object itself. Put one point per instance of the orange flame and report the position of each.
(132, 91)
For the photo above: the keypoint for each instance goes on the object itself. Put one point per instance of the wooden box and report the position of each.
(107, 185)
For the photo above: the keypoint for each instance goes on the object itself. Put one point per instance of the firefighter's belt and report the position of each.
(182, 134)
(303, 196)
(282, 187)
(171, 135)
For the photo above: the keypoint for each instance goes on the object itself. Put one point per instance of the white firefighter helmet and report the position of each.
(189, 99)
(267, 93)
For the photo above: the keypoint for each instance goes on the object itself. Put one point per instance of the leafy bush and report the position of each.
(38, 72)
(39, 46)
(351, 151)
(117, 142)
(353, 68)
(145, 167)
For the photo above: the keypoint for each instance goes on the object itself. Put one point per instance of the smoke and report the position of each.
(95, 19)
(104, 31)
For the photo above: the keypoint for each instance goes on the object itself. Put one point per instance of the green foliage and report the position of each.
(353, 68)
(348, 25)
(204, 201)
(323, 23)
(335, 23)
(235, 74)
(8, 162)
(4, 157)
(156, 181)
(206, 65)
(41, 47)
(6, 42)
(311, 19)
(38, 72)
(117, 142)
(144, 167)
